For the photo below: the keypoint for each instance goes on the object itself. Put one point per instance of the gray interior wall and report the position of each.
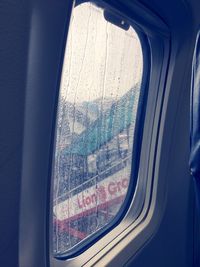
(173, 243)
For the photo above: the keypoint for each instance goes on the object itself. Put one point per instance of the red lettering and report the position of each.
(119, 186)
(112, 189)
(125, 183)
(94, 198)
(88, 200)
(79, 204)
(84, 204)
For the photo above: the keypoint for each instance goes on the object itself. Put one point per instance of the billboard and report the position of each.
(104, 193)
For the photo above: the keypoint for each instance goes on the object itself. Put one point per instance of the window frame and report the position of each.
(138, 133)
(138, 212)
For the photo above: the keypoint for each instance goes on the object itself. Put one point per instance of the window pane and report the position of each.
(98, 101)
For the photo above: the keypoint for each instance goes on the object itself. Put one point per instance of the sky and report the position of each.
(101, 59)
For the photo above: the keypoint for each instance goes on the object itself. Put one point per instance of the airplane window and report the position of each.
(97, 109)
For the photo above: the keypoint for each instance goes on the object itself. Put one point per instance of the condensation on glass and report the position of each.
(98, 101)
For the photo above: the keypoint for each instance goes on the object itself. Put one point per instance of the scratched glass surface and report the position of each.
(100, 87)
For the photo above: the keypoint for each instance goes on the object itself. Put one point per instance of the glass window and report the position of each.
(98, 102)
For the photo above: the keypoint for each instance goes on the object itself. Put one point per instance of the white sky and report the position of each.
(101, 60)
